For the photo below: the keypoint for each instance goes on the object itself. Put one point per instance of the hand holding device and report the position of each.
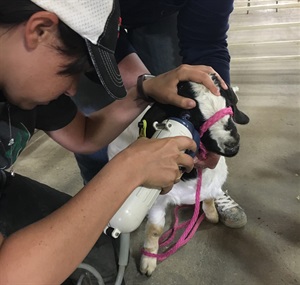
(131, 214)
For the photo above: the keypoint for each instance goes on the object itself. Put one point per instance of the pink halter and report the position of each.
(212, 120)
(193, 224)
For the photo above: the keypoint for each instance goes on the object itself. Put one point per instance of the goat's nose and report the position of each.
(231, 148)
(231, 144)
(235, 138)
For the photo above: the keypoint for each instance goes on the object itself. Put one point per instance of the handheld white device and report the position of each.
(131, 214)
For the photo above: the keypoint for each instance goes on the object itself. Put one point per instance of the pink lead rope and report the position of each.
(192, 224)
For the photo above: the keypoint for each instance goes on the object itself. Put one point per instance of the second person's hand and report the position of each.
(163, 88)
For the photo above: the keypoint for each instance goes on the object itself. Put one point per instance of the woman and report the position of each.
(46, 47)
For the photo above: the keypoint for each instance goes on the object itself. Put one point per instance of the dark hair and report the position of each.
(14, 12)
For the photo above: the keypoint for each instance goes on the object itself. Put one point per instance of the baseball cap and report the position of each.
(97, 21)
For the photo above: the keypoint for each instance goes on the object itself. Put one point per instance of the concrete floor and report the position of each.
(263, 179)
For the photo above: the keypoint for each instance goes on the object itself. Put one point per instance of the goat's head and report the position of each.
(221, 137)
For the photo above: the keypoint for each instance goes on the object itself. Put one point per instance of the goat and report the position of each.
(221, 138)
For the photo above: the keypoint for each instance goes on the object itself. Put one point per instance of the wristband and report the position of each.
(140, 89)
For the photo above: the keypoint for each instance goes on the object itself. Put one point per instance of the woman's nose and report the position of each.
(71, 91)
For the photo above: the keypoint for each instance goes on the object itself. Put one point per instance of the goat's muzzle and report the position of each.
(231, 147)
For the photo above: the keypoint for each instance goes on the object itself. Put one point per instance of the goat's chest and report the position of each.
(184, 191)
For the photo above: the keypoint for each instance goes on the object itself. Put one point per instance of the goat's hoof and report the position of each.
(214, 219)
(148, 265)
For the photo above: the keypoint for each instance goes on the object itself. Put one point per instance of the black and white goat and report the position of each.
(221, 138)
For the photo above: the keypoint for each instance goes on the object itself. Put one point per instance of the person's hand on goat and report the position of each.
(163, 88)
(157, 161)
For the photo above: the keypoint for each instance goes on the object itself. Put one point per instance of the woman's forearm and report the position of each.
(101, 127)
(116, 117)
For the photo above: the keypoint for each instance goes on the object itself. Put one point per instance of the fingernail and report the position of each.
(191, 104)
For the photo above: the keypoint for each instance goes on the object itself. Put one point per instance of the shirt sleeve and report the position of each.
(202, 32)
(56, 115)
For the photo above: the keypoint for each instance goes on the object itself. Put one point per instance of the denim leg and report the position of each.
(157, 44)
(91, 164)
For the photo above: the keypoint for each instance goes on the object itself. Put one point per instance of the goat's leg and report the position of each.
(153, 233)
(210, 211)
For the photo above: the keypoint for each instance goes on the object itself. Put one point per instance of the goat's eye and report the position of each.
(226, 128)
(229, 125)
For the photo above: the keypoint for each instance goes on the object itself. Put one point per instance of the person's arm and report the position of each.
(129, 63)
(48, 251)
(89, 134)
(202, 27)
(130, 68)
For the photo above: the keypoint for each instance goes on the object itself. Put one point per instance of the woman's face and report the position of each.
(41, 83)
(32, 69)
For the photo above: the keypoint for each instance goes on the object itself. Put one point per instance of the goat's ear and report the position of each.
(231, 99)
(239, 117)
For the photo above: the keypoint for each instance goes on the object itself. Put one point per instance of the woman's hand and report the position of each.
(163, 88)
(157, 161)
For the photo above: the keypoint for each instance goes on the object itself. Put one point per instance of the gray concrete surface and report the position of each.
(263, 179)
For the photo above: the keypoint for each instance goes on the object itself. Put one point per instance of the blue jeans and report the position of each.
(91, 164)
(157, 46)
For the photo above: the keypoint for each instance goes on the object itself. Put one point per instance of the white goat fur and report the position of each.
(184, 191)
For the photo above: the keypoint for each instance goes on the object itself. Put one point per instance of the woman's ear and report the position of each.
(41, 27)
